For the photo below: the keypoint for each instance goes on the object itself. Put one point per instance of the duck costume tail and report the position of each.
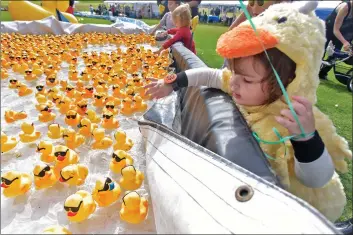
(298, 33)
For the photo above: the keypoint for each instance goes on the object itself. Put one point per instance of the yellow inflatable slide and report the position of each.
(25, 10)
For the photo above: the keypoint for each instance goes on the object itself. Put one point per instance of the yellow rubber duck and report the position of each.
(116, 101)
(92, 116)
(28, 134)
(117, 92)
(139, 105)
(72, 139)
(99, 99)
(50, 68)
(64, 157)
(109, 122)
(131, 178)
(70, 91)
(74, 174)
(142, 93)
(55, 131)
(7, 143)
(51, 80)
(41, 90)
(29, 76)
(134, 208)
(127, 108)
(110, 107)
(65, 104)
(101, 141)
(23, 90)
(46, 149)
(86, 127)
(81, 107)
(72, 118)
(15, 183)
(73, 75)
(56, 98)
(45, 114)
(122, 142)
(80, 86)
(106, 191)
(79, 206)
(120, 159)
(85, 76)
(52, 91)
(44, 176)
(12, 116)
(56, 229)
(88, 92)
(13, 83)
(63, 85)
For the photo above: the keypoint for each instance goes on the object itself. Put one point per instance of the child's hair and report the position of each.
(183, 12)
(284, 66)
(178, 2)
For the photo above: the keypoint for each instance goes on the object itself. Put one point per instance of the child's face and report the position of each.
(247, 86)
(172, 5)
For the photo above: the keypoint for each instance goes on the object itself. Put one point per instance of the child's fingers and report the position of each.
(299, 108)
(152, 90)
(284, 122)
(287, 113)
(307, 104)
(152, 84)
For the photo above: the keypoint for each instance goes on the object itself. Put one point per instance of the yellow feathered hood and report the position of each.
(297, 32)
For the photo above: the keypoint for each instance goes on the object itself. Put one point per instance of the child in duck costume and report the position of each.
(294, 38)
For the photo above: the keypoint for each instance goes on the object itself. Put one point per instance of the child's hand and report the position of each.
(158, 89)
(304, 110)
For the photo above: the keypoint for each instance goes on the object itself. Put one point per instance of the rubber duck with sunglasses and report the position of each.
(44, 176)
(46, 150)
(72, 118)
(15, 183)
(79, 206)
(63, 157)
(46, 114)
(106, 191)
(108, 121)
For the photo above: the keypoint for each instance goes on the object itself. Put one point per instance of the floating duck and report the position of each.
(82, 107)
(65, 104)
(110, 107)
(70, 91)
(101, 141)
(49, 70)
(23, 90)
(86, 127)
(131, 178)
(109, 122)
(102, 88)
(88, 92)
(117, 92)
(29, 76)
(106, 191)
(134, 208)
(55, 131)
(142, 93)
(7, 143)
(15, 183)
(127, 108)
(41, 90)
(85, 76)
(74, 174)
(122, 142)
(139, 105)
(80, 86)
(99, 99)
(56, 229)
(45, 114)
(47, 151)
(13, 83)
(63, 85)
(73, 75)
(72, 118)
(64, 157)
(12, 116)
(43, 100)
(120, 159)
(73, 140)
(51, 80)
(79, 206)
(44, 176)
(28, 134)
(52, 91)
(92, 116)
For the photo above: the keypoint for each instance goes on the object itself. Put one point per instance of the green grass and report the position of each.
(333, 97)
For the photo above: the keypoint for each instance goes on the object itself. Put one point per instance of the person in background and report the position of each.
(182, 33)
(339, 30)
(167, 21)
(70, 9)
(91, 9)
(194, 6)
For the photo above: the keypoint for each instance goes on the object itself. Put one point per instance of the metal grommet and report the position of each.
(244, 193)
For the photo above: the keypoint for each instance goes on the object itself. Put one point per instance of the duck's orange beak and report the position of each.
(242, 41)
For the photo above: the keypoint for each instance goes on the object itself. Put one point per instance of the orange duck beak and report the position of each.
(242, 41)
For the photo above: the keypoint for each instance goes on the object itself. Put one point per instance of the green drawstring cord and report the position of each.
(281, 139)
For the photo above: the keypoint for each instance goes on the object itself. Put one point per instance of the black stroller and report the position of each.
(342, 66)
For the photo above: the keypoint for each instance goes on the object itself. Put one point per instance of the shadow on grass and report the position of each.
(334, 85)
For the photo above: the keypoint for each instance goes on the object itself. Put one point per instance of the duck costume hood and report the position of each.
(298, 33)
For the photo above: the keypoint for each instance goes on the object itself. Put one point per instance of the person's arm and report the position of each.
(342, 13)
(173, 31)
(162, 22)
(312, 164)
(176, 38)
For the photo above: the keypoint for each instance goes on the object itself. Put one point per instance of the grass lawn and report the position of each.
(333, 97)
